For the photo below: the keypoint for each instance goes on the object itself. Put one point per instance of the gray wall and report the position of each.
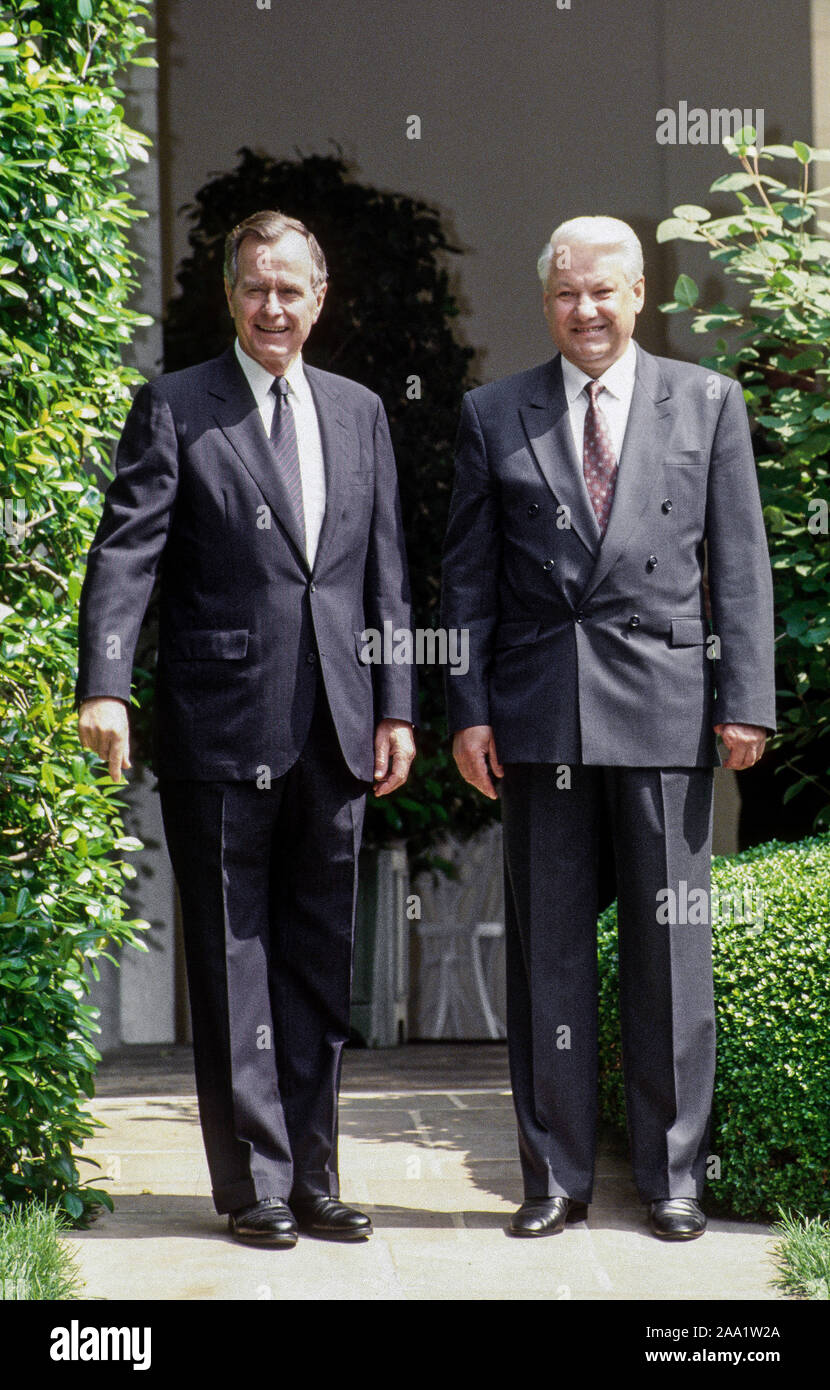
(530, 113)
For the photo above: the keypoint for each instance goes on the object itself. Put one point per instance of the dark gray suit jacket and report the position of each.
(596, 652)
(243, 623)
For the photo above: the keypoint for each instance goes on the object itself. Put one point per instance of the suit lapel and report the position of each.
(548, 428)
(238, 417)
(644, 447)
(339, 441)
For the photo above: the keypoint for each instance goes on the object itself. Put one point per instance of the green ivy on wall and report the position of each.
(65, 282)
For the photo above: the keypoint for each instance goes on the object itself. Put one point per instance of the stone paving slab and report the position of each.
(439, 1179)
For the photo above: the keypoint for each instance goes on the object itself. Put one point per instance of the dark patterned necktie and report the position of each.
(599, 462)
(286, 452)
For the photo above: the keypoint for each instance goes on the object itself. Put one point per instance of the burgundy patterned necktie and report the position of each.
(286, 452)
(599, 462)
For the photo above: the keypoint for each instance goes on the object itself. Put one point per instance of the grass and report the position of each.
(34, 1263)
(802, 1256)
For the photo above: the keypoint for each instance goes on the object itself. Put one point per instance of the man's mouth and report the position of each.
(272, 332)
(592, 331)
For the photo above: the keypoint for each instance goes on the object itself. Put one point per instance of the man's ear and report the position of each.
(640, 287)
(228, 293)
(321, 294)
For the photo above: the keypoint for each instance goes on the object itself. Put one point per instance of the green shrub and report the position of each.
(771, 934)
(775, 249)
(64, 284)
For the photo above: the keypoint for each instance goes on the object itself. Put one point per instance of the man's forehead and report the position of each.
(289, 253)
(585, 258)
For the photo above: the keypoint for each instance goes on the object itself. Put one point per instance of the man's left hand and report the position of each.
(745, 744)
(394, 751)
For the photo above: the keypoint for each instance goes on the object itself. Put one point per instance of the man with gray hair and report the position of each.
(264, 495)
(589, 493)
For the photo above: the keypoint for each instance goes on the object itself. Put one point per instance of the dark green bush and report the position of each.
(65, 280)
(771, 933)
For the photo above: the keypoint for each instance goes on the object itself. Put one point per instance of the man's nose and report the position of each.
(585, 308)
(272, 302)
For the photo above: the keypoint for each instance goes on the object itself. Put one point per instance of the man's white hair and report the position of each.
(596, 231)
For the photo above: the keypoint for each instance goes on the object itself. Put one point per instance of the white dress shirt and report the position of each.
(309, 444)
(614, 401)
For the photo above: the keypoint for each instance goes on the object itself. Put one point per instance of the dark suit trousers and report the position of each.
(267, 880)
(660, 823)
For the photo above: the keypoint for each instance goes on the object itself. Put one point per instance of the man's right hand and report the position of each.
(473, 749)
(103, 726)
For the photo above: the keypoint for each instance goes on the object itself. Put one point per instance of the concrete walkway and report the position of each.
(428, 1149)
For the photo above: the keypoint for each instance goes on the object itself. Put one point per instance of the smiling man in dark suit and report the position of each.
(589, 492)
(264, 495)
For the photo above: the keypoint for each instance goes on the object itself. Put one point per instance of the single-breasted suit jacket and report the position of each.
(595, 651)
(243, 622)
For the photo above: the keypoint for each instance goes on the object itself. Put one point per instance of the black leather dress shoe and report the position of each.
(268, 1222)
(677, 1218)
(544, 1216)
(329, 1218)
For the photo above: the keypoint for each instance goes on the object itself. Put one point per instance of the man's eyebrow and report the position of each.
(283, 280)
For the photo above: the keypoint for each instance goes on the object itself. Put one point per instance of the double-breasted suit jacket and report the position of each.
(592, 651)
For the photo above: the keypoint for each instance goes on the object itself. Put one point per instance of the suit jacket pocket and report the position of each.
(688, 632)
(210, 646)
(686, 456)
(516, 634)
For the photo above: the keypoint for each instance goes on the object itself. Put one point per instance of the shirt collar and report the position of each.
(261, 381)
(618, 379)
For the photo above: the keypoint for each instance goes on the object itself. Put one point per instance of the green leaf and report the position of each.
(686, 291)
(675, 228)
(85, 9)
(73, 1204)
(728, 183)
(690, 212)
(803, 152)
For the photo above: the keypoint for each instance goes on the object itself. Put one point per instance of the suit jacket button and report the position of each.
(634, 620)
(667, 505)
(548, 565)
(580, 617)
(533, 509)
(651, 562)
(311, 658)
(312, 588)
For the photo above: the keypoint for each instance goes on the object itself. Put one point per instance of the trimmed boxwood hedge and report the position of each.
(771, 1113)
